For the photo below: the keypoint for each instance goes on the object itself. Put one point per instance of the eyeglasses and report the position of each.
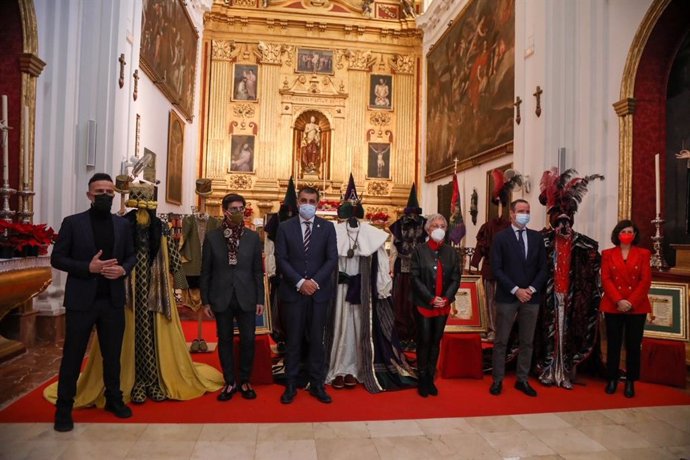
(236, 209)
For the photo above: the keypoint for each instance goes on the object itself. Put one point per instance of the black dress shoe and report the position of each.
(227, 392)
(422, 385)
(629, 391)
(525, 387)
(611, 387)
(289, 394)
(63, 420)
(118, 408)
(247, 391)
(319, 393)
(496, 388)
(431, 388)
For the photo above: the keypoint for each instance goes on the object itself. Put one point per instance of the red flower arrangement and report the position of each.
(248, 211)
(26, 238)
(328, 205)
(377, 216)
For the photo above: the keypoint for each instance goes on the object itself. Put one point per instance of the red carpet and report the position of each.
(458, 398)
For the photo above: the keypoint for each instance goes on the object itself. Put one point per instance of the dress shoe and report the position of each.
(629, 391)
(118, 408)
(203, 346)
(289, 394)
(431, 388)
(319, 393)
(338, 382)
(227, 392)
(194, 347)
(63, 419)
(611, 387)
(496, 388)
(350, 381)
(247, 391)
(422, 385)
(525, 387)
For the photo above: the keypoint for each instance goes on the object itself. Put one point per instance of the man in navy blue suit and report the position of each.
(518, 261)
(307, 256)
(96, 250)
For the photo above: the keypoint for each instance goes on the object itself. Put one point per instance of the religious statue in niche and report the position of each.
(311, 147)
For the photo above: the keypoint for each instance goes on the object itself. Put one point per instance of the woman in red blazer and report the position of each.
(626, 277)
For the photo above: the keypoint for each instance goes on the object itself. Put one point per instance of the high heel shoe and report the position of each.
(611, 387)
(629, 389)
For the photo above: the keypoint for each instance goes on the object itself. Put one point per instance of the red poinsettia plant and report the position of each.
(22, 237)
(377, 216)
(328, 205)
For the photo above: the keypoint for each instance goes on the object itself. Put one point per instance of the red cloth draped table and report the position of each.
(262, 372)
(663, 361)
(461, 356)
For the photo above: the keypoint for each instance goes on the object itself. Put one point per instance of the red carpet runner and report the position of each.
(457, 398)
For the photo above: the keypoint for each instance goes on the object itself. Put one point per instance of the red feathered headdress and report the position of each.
(563, 193)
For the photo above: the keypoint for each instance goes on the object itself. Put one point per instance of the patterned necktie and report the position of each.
(521, 241)
(307, 235)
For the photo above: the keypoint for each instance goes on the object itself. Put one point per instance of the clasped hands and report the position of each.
(308, 287)
(438, 302)
(524, 295)
(108, 268)
(623, 306)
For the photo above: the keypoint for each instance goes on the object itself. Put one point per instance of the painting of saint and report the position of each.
(380, 91)
(315, 61)
(379, 165)
(244, 82)
(175, 146)
(242, 156)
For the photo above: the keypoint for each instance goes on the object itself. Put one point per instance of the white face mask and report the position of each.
(522, 219)
(438, 234)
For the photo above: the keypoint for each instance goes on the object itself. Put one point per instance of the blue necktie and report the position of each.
(521, 241)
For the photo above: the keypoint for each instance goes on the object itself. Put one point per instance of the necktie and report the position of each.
(307, 235)
(521, 241)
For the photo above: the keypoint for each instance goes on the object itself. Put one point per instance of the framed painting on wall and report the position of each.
(468, 312)
(381, 92)
(669, 316)
(310, 60)
(492, 209)
(379, 161)
(168, 51)
(244, 82)
(173, 184)
(150, 168)
(470, 88)
(242, 154)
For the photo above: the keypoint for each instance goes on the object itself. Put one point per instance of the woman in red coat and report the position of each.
(626, 277)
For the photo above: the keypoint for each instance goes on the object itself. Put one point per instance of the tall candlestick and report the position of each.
(657, 176)
(5, 139)
(27, 137)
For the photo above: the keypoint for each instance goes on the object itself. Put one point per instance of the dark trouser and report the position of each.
(305, 317)
(110, 326)
(246, 323)
(429, 334)
(527, 320)
(633, 325)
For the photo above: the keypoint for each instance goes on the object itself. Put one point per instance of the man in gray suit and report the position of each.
(232, 288)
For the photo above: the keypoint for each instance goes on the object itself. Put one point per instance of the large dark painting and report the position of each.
(168, 51)
(470, 78)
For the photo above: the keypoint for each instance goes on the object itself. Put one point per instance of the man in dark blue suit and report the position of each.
(518, 261)
(96, 250)
(307, 256)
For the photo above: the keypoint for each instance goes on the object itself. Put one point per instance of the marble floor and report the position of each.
(641, 433)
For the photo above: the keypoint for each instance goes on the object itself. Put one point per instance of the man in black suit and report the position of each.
(518, 261)
(232, 287)
(307, 256)
(95, 248)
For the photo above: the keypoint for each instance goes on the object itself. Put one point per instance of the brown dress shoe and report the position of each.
(350, 381)
(338, 382)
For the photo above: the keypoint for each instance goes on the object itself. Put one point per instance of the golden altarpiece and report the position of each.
(313, 89)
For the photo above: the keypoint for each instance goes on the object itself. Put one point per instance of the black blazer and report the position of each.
(423, 272)
(219, 280)
(73, 251)
(510, 269)
(319, 264)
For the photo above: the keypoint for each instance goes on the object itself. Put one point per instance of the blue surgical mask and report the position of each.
(307, 211)
(522, 219)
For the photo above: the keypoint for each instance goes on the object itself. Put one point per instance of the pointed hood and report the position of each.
(351, 205)
(412, 203)
(288, 209)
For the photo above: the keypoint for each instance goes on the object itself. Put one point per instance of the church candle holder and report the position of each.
(6, 213)
(657, 261)
(26, 214)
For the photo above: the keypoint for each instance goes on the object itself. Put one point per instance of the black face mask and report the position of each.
(102, 203)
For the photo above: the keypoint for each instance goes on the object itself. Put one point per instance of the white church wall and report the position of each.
(576, 52)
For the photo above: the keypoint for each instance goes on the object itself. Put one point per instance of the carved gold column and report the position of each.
(404, 102)
(220, 91)
(273, 143)
(355, 139)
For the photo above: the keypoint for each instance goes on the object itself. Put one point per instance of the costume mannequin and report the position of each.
(194, 229)
(363, 346)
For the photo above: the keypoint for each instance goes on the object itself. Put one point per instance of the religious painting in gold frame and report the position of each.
(168, 51)
(241, 154)
(173, 183)
(316, 61)
(244, 86)
(470, 89)
(379, 161)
